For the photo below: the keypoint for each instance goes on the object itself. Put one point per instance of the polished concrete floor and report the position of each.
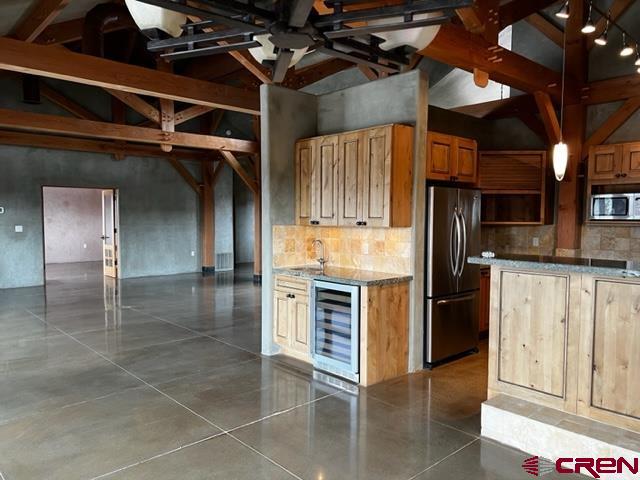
(161, 378)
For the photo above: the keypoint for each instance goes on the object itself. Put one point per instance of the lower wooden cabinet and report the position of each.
(291, 316)
(568, 341)
(485, 292)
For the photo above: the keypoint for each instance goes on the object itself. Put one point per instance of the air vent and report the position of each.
(224, 262)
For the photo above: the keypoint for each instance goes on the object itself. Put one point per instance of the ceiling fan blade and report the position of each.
(299, 11)
(282, 65)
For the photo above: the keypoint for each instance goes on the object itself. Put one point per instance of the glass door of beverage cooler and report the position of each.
(335, 332)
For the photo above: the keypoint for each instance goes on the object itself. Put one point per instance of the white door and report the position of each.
(109, 247)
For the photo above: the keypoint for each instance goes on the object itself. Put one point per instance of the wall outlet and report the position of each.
(535, 241)
(18, 228)
(193, 254)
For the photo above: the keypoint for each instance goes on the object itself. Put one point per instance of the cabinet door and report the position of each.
(281, 318)
(305, 153)
(439, 156)
(300, 318)
(350, 178)
(324, 181)
(631, 162)
(604, 163)
(485, 302)
(465, 153)
(377, 177)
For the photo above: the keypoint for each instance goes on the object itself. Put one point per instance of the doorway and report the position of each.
(80, 227)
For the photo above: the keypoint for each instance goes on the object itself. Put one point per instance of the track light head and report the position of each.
(564, 11)
(602, 39)
(589, 27)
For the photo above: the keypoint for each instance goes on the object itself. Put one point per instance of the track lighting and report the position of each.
(564, 10)
(589, 27)
(626, 47)
(602, 38)
(637, 62)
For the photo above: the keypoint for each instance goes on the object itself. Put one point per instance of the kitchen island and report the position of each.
(565, 333)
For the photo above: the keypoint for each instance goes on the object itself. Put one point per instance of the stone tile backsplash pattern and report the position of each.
(619, 243)
(519, 239)
(377, 249)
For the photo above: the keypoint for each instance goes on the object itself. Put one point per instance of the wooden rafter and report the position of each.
(547, 28)
(218, 170)
(64, 102)
(71, 30)
(471, 19)
(22, 139)
(58, 63)
(534, 124)
(612, 89)
(618, 7)
(39, 17)
(167, 108)
(138, 104)
(503, 108)
(53, 124)
(233, 162)
(517, 10)
(185, 174)
(455, 46)
(548, 117)
(190, 113)
(247, 61)
(368, 72)
(612, 123)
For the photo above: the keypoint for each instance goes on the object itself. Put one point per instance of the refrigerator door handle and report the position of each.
(458, 243)
(454, 300)
(453, 244)
(463, 221)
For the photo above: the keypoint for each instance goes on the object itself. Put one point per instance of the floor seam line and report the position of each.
(264, 456)
(135, 376)
(443, 459)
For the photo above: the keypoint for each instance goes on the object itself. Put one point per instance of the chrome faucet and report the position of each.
(321, 259)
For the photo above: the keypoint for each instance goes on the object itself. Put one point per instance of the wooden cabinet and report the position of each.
(291, 316)
(614, 164)
(360, 178)
(485, 302)
(451, 158)
(514, 188)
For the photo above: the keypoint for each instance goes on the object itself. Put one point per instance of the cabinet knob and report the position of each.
(624, 174)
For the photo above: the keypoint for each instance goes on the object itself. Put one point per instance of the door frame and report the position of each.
(116, 220)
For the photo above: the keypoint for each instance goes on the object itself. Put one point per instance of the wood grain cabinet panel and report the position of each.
(631, 162)
(304, 155)
(351, 178)
(377, 177)
(300, 322)
(605, 163)
(281, 318)
(616, 348)
(291, 316)
(324, 181)
(533, 320)
(465, 159)
(439, 156)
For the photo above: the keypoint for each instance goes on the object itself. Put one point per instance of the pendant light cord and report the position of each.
(564, 60)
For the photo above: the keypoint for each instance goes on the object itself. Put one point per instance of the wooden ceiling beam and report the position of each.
(618, 7)
(612, 89)
(547, 28)
(57, 125)
(138, 104)
(548, 116)
(298, 78)
(71, 30)
(185, 174)
(612, 123)
(504, 108)
(64, 102)
(368, 72)
(39, 17)
(453, 45)
(517, 10)
(22, 139)
(534, 124)
(233, 162)
(190, 113)
(58, 63)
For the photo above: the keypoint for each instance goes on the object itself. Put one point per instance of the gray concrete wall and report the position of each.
(243, 225)
(286, 116)
(72, 224)
(223, 198)
(158, 211)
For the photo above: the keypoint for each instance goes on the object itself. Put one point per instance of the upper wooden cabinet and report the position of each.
(451, 158)
(359, 178)
(614, 164)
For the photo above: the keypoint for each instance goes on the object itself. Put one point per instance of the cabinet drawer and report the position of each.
(294, 285)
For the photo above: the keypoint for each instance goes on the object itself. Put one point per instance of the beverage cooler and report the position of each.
(335, 336)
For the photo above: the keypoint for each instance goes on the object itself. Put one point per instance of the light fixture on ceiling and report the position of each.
(564, 10)
(150, 18)
(602, 38)
(589, 27)
(417, 37)
(637, 62)
(626, 46)
(267, 51)
(560, 149)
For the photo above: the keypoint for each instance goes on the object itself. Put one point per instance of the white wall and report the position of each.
(72, 224)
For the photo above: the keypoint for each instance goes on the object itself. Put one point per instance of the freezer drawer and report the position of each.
(451, 327)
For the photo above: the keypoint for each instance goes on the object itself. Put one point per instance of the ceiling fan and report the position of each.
(279, 32)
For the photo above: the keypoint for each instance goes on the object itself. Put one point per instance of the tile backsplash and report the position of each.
(519, 239)
(619, 243)
(377, 249)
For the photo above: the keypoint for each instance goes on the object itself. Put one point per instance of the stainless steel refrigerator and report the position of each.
(451, 284)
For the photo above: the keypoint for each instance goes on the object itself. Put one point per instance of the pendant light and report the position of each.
(637, 62)
(564, 10)
(560, 149)
(626, 46)
(602, 38)
(589, 27)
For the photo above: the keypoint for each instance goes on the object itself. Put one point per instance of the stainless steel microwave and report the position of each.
(615, 206)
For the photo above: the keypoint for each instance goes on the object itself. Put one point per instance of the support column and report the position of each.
(568, 233)
(208, 219)
(257, 212)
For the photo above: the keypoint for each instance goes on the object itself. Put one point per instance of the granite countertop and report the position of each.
(347, 276)
(593, 266)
